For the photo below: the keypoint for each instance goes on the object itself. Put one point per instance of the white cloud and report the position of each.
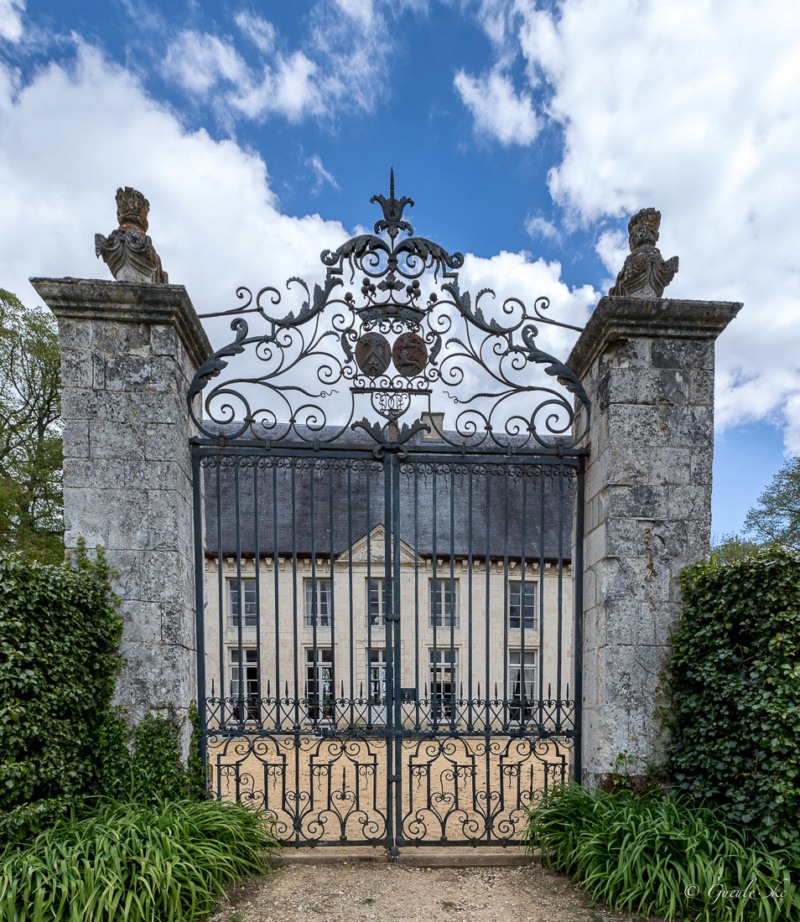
(288, 89)
(343, 62)
(198, 61)
(537, 226)
(214, 218)
(497, 109)
(690, 107)
(360, 10)
(612, 248)
(321, 175)
(11, 19)
(258, 30)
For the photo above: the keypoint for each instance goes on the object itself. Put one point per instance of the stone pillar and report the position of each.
(128, 353)
(648, 369)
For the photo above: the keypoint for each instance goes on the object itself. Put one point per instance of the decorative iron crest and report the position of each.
(394, 345)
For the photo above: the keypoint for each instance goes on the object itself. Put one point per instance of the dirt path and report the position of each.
(356, 892)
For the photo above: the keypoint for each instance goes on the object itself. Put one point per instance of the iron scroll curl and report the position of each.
(363, 357)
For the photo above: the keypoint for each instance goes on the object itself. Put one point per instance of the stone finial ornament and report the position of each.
(645, 274)
(128, 251)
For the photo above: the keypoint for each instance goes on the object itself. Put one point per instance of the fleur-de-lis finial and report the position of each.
(392, 221)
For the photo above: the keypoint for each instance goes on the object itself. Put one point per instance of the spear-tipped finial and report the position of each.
(392, 221)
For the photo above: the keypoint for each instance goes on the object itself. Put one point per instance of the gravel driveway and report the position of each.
(358, 892)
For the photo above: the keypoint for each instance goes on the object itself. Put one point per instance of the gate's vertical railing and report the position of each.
(394, 634)
(199, 595)
(577, 640)
(392, 670)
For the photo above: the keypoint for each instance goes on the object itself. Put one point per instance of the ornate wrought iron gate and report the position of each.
(386, 638)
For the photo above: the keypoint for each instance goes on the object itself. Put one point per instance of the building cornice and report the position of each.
(617, 318)
(128, 302)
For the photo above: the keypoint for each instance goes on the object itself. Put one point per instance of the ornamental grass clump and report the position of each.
(134, 863)
(664, 855)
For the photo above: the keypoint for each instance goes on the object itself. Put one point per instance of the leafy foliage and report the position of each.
(61, 741)
(145, 764)
(31, 504)
(196, 774)
(776, 518)
(59, 634)
(135, 862)
(663, 855)
(732, 548)
(735, 691)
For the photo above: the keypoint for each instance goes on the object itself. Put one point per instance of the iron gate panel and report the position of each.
(386, 641)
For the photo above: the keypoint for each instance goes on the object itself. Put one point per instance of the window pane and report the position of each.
(521, 684)
(443, 596)
(245, 698)
(377, 601)
(319, 684)
(519, 602)
(249, 591)
(323, 602)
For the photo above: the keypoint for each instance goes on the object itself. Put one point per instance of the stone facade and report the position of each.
(128, 353)
(648, 368)
(344, 639)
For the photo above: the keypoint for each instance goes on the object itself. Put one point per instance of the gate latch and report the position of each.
(392, 615)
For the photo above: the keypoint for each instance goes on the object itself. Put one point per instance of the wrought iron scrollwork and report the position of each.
(393, 345)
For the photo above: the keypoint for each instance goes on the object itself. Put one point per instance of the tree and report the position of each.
(31, 499)
(776, 518)
(732, 548)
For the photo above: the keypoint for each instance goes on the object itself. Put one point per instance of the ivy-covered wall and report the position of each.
(735, 688)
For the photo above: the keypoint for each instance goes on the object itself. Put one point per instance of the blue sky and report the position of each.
(526, 132)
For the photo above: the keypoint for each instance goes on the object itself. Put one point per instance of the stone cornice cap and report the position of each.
(128, 302)
(617, 318)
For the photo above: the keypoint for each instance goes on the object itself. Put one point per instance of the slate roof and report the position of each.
(343, 514)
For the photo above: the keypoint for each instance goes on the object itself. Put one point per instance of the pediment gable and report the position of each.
(376, 545)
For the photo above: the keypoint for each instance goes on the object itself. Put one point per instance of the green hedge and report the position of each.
(735, 692)
(61, 741)
(59, 634)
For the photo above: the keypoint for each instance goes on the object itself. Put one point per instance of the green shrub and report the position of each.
(59, 634)
(146, 763)
(137, 862)
(663, 855)
(61, 741)
(735, 692)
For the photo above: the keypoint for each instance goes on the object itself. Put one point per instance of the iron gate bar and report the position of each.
(392, 464)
